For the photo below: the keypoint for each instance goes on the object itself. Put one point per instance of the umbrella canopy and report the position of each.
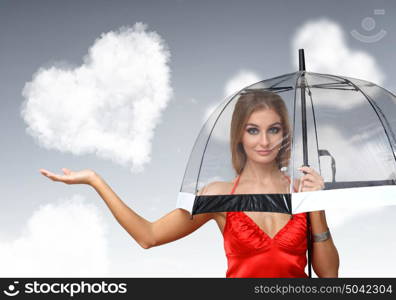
(344, 128)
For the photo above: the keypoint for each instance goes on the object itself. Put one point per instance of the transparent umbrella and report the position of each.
(344, 128)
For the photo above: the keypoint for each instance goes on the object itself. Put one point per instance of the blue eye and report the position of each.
(274, 130)
(252, 130)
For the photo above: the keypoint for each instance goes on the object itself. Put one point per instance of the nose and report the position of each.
(264, 140)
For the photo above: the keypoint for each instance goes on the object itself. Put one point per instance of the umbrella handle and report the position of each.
(323, 152)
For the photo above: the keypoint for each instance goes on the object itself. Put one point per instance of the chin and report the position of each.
(264, 160)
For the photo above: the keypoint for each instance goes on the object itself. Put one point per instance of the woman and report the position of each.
(257, 244)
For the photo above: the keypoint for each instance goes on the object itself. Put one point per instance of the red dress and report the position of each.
(252, 253)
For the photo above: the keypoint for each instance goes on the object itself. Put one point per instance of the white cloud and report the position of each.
(110, 105)
(326, 51)
(239, 81)
(62, 239)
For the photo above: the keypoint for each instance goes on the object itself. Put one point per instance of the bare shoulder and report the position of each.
(216, 188)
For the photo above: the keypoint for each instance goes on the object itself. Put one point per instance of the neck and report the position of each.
(259, 172)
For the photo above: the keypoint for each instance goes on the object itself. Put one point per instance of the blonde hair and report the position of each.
(248, 103)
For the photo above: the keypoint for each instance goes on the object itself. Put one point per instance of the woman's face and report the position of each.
(263, 135)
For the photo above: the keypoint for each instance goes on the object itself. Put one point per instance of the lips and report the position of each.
(264, 152)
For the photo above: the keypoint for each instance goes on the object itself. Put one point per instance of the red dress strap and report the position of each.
(235, 184)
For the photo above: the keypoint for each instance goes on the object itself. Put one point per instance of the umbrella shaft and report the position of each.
(304, 121)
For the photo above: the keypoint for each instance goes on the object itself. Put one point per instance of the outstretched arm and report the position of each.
(174, 225)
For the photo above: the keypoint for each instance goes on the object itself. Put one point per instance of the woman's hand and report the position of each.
(85, 176)
(312, 181)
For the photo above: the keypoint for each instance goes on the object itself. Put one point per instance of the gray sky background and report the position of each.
(210, 42)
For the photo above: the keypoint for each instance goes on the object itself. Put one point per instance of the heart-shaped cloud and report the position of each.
(110, 105)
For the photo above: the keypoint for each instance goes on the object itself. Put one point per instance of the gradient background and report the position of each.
(210, 43)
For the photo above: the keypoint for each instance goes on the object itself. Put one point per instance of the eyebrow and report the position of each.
(252, 124)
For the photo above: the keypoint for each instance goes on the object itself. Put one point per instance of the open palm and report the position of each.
(70, 177)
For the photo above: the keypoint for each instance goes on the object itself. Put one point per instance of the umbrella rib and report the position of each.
(331, 87)
(315, 127)
(381, 118)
